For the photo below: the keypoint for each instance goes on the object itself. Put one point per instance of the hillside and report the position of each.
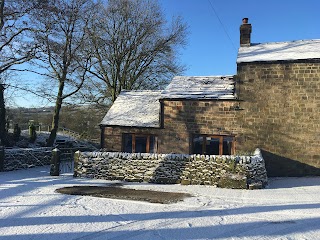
(82, 119)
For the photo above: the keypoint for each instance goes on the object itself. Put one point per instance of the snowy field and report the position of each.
(30, 209)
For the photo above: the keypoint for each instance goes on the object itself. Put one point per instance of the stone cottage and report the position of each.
(273, 103)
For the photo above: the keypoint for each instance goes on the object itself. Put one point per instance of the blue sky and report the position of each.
(212, 51)
(212, 44)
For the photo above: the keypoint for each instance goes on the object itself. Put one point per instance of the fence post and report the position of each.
(1, 158)
(76, 157)
(55, 162)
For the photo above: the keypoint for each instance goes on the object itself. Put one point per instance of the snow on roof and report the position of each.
(200, 87)
(277, 51)
(135, 109)
(142, 108)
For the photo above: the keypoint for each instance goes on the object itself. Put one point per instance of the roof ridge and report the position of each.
(231, 75)
(142, 90)
(281, 42)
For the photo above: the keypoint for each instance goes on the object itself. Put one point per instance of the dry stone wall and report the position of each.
(222, 171)
(14, 159)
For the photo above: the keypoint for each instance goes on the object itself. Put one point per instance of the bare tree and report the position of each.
(133, 48)
(61, 36)
(15, 45)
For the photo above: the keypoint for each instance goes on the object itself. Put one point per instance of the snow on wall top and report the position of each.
(200, 87)
(277, 51)
(134, 109)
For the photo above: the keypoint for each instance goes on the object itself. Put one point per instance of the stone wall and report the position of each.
(221, 171)
(280, 115)
(15, 159)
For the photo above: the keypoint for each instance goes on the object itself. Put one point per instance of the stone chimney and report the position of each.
(245, 33)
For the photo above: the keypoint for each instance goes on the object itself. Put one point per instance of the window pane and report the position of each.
(227, 145)
(212, 146)
(141, 144)
(153, 144)
(127, 143)
(197, 145)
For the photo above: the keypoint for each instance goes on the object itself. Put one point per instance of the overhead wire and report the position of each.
(223, 27)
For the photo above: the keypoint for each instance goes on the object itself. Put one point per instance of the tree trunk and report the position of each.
(114, 95)
(3, 133)
(55, 120)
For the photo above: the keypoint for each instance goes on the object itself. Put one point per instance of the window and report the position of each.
(213, 145)
(137, 143)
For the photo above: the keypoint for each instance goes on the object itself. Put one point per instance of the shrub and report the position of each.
(16, 132)
(32, 133)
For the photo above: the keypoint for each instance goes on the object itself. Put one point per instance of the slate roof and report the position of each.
(280, 51)
(200, 87)
(134, 108)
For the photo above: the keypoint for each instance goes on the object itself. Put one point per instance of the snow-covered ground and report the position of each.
(30, 209)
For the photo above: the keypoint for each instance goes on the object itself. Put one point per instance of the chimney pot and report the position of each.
(245, 20)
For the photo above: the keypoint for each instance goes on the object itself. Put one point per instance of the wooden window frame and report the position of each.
(134, 135)
(220, 137)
